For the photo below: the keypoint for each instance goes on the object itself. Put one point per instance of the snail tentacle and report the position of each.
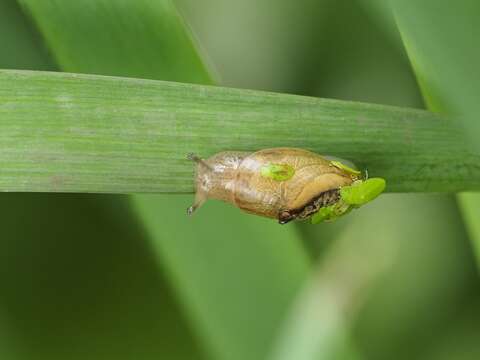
(195, 158)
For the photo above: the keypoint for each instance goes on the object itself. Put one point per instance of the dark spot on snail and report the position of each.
(325, 199)
(285, 217)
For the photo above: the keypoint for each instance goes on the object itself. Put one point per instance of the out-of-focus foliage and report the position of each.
(67, 30)
(79, 280)
(22, 47)
(442, 43)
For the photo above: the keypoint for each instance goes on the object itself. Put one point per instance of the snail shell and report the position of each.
(305, 182)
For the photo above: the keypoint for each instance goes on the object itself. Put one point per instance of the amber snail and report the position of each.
(283, 183)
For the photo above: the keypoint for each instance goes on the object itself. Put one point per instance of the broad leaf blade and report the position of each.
(85, 133)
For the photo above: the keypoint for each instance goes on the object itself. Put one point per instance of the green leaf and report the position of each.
(21, 46)
(142, 39)
(84, 133)
(445, 55)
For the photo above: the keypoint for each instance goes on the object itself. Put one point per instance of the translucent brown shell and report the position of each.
(237, 178)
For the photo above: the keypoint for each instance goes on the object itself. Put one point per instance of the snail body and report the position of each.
(280, 183)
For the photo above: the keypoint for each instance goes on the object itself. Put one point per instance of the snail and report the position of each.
(283, 183)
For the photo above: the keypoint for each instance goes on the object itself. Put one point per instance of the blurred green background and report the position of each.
(120, 277)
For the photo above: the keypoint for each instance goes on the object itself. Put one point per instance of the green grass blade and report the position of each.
(21, 46)
(381, 13)
(445, 55)
(319, 324)
(219, 258)
(154, 43)
(82, 133)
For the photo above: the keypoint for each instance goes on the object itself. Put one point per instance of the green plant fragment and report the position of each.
(362, 192)
(324, 214)
(332, 212)
(346, 168)
(277, 172)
